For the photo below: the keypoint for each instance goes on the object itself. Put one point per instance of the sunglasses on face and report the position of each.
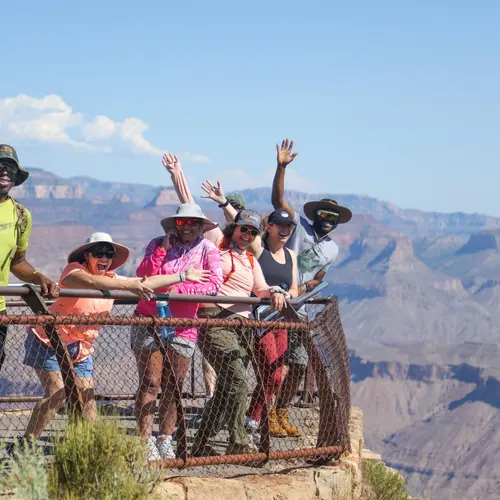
(245, 229)
(327, 215)
(99, 253)
(9, 168)
(189, 222)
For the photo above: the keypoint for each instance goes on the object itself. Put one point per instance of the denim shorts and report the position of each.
(42, 357)
(141, 337)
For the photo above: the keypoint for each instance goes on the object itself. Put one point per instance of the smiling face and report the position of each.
(325, 221)
(279, 232)
(244, 236)
(99, 258)
(188, 229)
(8, 176)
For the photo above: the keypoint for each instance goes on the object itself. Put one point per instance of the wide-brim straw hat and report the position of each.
(122, 253)
(188, 211)
(311, 207)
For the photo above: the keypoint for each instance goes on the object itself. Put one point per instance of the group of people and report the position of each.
(280, 258)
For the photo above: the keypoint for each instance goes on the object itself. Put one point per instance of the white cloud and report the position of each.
(101, 129)
(242, 179)
(194, 158)
(50, 120)
(131, 131)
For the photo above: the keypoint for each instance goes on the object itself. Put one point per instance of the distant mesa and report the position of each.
(479, 242)
(164, 197)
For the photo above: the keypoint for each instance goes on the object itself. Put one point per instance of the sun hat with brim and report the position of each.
(121, 256)
(188, 211)
(311, 207)
(9, 153)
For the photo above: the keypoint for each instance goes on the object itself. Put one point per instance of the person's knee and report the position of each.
(150, 384)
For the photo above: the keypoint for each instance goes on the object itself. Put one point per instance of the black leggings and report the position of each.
(3, 338)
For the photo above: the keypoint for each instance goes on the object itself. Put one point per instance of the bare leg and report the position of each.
(167, 411)
(149, 366)
(47, 407)
(86, 386)
(209, 377)
(291, 385)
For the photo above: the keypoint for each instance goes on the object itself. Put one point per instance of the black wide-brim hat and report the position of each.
(311, 207)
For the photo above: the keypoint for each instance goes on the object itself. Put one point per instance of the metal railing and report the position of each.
(321, 415)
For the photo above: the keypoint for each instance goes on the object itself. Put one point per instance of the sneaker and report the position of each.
(164, 446)
(241, 449)
(251, 425)
(153, 453)
(282, 415)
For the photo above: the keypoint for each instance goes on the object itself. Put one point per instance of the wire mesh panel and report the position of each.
(214, 401)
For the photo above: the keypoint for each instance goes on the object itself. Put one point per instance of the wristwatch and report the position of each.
(308, 286)
(182, 277)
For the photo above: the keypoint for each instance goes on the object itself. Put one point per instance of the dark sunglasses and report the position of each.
(99, 253)
(10, 168)
(246, 229)
(189, 222)
(327, 215)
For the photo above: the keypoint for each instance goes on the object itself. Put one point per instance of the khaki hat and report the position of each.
(122, 253)
(9, 153)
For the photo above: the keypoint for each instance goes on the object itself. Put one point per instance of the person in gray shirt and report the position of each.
(316, 251)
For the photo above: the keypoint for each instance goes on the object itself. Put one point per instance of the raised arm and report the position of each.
(173, 166)
(217, 194)
(285, 157)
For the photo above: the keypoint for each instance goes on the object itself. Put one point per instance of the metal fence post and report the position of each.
(35, 301)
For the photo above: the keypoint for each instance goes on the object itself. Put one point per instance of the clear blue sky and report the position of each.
(398, 100)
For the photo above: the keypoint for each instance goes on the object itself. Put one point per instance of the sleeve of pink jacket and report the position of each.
(153, 259)
(211, 261)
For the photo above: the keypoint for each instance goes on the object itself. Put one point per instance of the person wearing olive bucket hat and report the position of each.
(90, 266)
(15, 229)
(316, 251)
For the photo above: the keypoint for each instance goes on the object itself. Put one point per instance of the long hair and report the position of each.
(229, 230)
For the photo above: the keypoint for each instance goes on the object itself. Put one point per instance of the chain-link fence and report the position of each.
(247, 391)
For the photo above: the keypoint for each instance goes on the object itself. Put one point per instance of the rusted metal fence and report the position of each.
(207, 426)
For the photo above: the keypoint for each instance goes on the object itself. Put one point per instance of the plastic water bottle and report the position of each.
(163, 311)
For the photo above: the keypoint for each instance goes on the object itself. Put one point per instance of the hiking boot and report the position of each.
(165, 447)
(241, 449)
(275, 428)
(292, 431)
(152, 450)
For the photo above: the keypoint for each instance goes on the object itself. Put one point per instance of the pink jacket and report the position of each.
(201, 254)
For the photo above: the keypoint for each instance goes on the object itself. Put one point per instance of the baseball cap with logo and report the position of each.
(9, 153)
(248, 218)
(280, 216)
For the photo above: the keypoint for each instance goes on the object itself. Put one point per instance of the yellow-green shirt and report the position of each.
(8, 240)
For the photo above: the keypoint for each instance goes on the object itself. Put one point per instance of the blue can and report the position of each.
(163, 311)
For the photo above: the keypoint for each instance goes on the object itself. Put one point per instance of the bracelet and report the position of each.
(308, 286)
(35, 273)
(182, 277)
(224, 205)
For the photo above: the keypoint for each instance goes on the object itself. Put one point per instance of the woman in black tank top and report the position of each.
(279, 265)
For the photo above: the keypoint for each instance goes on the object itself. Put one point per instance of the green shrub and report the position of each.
(97, 460)
(381, 483)
(26, 476)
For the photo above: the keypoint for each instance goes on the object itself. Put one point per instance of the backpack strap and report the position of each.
(21, 221)
(225, 245)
